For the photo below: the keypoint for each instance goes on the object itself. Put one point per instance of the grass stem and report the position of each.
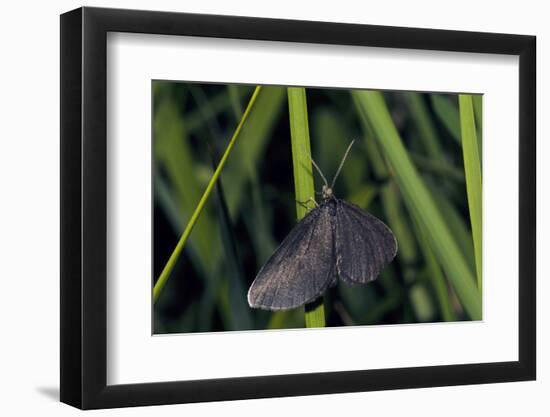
(472, 169)
(165, 274)
(372, 107)
(303, 178)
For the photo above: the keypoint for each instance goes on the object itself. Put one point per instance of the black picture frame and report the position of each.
(84, 223)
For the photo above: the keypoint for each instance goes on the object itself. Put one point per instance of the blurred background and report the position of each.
(252, 207)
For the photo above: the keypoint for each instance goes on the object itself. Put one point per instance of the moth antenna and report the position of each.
(317, 168)
(342, 164)
(319, 171)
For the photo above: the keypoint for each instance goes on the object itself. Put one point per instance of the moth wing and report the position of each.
(300, 269)
(364, 244)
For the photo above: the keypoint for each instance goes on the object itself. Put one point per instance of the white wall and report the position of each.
(29, 237)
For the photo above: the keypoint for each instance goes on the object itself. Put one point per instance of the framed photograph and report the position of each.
(257, 208)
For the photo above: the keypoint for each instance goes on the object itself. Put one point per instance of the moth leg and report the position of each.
(305, 203)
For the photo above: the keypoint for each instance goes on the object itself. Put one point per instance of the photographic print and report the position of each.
(340, 205)
(287, 207)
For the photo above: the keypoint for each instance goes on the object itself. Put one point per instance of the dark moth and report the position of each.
(336, 239)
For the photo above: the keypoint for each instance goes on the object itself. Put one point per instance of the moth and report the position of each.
(335, 240)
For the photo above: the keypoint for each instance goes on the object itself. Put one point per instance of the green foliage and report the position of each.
(372, 107)
(413, 166)
(472, 167)
(445, 109)
(165, 274)
(303, 178)
(426, 129)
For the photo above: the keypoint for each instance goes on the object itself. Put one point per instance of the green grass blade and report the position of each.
(241, 174)
(397, 221)
(436, 275)
(303, 178)
(426, 129)
(438, 167)
(376, 159)
(249, 150)
(472, 168)
(165, 274)
(243, 170)
(372, 107)
(195, 119)
(332, 137)
(241, 312)
(285, 319)
(363, 195)
(478, 108)
(477, 100)
(455, 221)
(421, 303)
(315, 313)
(235, 99)
(174, 156)
(168, 203)
(446, 109)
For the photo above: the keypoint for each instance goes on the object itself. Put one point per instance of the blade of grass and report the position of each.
(421, 302)
(398, 220)
(258, 223)
(439, 167)
(285, 319)
(315, 313)
(175, 160)
(379, 167)
(165, 274)
(240, 173)
(424, 125)
(243, 184)
(372, 106)
(472, 168)
(398, 223)
(168, 202)
(363, 195)
(455, 221)
(235, 99)
(174, 157)
(187, 176)
(436, 275)
(195, 119)
(332, 138)
(477, 100)
(254, 138)
(303, 178)
(241, 319)
(447, 112)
